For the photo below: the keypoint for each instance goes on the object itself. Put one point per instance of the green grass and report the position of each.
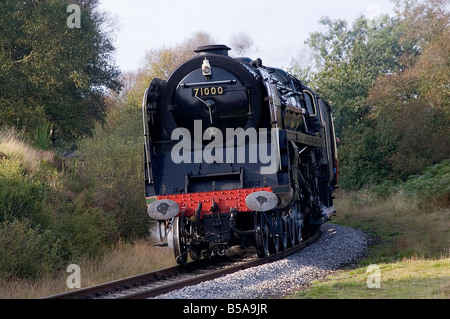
(406, 279)
(411, 248)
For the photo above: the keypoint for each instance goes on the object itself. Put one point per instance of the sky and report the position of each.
(278, 28)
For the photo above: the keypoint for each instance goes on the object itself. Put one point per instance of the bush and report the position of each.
(27, 252)
(21, 196)
(384, 189)
(83, 232)
(41, 228)
(432, 187)
(108, 172)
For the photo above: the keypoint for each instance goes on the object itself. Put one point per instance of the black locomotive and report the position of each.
(236, 153)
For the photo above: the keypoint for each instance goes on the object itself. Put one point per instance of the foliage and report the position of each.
(51, 74)
(412, 106)
(388, 83)
(41, 229)
(21, 196)
(27, 252)
(348, 62)
(95, 200)
(160, 63)
(106, 172)
(432, 187)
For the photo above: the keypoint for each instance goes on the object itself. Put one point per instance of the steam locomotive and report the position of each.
(236, 153)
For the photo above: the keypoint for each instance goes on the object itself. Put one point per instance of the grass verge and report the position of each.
(122, 260)
(411, 250)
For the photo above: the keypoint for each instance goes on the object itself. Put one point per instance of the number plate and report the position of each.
(208, 91)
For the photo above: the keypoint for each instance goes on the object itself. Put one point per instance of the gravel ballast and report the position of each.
(338, 246)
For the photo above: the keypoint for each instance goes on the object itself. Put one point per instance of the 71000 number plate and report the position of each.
(208, 91)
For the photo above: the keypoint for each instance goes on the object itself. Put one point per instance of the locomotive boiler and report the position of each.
(236, 153)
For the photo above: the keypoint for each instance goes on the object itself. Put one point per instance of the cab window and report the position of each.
(310, 106)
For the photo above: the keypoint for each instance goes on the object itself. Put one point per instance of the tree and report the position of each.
(348, 61)
(413, 104)
(241, 44)
(388, 83)
(161, 62)
(51, 74)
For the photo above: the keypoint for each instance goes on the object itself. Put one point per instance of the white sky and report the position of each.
(278, 28)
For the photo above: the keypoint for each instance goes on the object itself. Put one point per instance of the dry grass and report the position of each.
(15, 148)
(405, 228)
(412, 249)
(124, 260)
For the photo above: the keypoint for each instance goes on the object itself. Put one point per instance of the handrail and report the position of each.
(145, 123)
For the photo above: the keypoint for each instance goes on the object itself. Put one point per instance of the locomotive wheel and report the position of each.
(309, 230)
(284, 233)
(179, 241)
(274, 243)
(261, 235)
(195, 254)
(290, 225)
(194, 250)
(298, 223)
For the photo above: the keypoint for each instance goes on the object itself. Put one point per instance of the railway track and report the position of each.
(162, 281)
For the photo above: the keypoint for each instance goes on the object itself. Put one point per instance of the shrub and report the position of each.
(432, 187)
(384, 189)
(21, 196)
(108, 172)
(27, 252)
(83, 232)
(41, 229)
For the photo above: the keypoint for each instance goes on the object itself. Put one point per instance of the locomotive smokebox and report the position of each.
(220, 49)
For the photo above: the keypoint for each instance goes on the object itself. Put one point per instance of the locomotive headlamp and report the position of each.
(163, 209)
(206, 67)
(261, 201)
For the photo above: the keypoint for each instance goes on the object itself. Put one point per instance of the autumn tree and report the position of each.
(348, 60)
(388, 83)
(160, 63)
(412, 104)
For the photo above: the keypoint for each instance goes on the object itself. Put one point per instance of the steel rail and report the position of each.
(139, 281)
(116, 285)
